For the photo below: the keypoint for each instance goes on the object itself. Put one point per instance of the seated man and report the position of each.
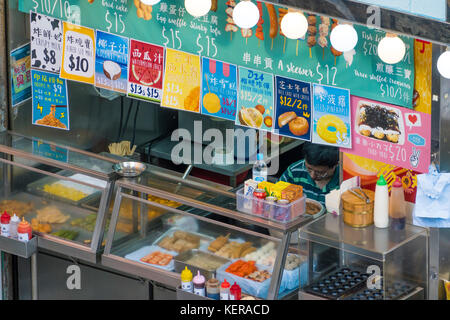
(318, 173)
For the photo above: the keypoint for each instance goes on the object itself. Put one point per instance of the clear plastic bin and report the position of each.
(271, 211)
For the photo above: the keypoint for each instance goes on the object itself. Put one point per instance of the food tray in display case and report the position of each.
(197, 260)
(270, 211)
(179, 241)
(152, 252)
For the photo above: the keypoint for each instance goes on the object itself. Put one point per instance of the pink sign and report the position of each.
(390, 134)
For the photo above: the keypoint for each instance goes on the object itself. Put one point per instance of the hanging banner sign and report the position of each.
(331, 120)
(255, 99)
(219, 89)
(78, 54)
(20, 62)
(146, 70)
(50, 101)
(46, 42)
(111, 62)
(293, 108)
(181, 81)
(391, 134)
(262, 48)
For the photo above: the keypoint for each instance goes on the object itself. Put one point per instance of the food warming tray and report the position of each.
(182, 258)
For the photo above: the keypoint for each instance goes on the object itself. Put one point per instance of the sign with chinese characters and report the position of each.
(181, 81)
(146, 70)
(111, 62)
(50, 102)
(255, 99)
(50, 151)
(46, 42)
(20, 62)
(331, 120)
(264, 47)
(293, 108)
(219, 89)
(78, 53)
(391, 134)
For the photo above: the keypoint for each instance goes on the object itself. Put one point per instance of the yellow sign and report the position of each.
(78, 62)
(422, 80)
(181, 89)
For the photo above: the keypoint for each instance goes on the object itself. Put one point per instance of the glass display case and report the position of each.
(162, 223)
(347, 263)
(63, 192)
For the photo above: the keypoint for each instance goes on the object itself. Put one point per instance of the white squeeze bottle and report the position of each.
(14, 223)
(381, 206)
(260, 169)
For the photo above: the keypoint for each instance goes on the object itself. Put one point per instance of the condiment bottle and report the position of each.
(381, 205)
(235, 292)
(24, 231)
(397, 208)
(5, 224)
(225, 290)
(212, 288)
(199, 284)
(186, 280)
(14, 224)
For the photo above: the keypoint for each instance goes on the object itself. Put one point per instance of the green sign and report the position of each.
(263, 48)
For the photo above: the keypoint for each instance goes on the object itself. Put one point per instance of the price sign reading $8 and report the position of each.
(78, 53)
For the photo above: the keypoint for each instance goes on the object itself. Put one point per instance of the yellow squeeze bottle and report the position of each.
(186, 280)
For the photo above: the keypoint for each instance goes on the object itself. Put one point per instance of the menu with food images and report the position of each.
(50, 101)
(255, 99)
(331, 116)
(146, 68)
(293, 108)
(20, 62)
(46, 35)
(219, 89)
(181, 89)
(111, 62)
(78, 54)
(390, 134)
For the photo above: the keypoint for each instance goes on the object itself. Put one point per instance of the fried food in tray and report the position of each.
(234, 250)
(180, 241)
(204, 261)
(259, 275)
(20, 208)
(51, 214)
(217, 244)
(158, 258)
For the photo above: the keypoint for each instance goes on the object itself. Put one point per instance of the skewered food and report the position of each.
(273, 31)
(218, 243)
(230, 26)
(259, 26)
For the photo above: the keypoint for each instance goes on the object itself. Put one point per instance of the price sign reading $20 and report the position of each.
(78, 53)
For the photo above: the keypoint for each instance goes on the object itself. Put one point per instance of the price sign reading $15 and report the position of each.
(78, 54)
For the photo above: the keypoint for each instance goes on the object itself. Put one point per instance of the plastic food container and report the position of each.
(271, 211)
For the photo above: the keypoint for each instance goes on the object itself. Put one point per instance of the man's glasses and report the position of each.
(318, 174)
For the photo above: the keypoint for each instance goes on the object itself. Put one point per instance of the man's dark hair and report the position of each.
(319, 155)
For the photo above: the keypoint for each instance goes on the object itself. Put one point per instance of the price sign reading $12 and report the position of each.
(78, 54)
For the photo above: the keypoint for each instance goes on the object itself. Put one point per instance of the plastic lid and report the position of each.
(259, 156)
(381, 181)
(225, 284)
(5, 218)
(15, 218)
(397, 183)
(186, 275)
(199, 279)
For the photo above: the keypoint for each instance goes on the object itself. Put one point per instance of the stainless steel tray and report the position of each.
(181, 262)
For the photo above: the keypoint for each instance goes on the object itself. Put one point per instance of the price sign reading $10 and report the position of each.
(78, 54)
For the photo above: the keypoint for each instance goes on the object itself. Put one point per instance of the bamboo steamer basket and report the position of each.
(357, 213)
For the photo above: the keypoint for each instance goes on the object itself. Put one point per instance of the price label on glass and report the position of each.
(78, 53)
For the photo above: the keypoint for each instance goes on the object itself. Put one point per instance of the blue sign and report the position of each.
(416, 139)
(20, 61)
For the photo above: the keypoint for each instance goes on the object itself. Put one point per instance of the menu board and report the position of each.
(331, 119)
(255, 99)
(219, 89)
(78, 53)
(146, 70)
(391, 134)
(293, 108)
(46, 35)
(20, 62)
(262, 48)
(181, 88)
(111, 62)
(50, 103)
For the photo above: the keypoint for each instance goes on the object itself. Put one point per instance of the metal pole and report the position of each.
(34, 279)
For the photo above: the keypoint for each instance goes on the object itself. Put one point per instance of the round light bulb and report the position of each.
(443, 64)
(344, 37)
(197, 8)
(294, 25)
(391, 49)
(246, 14)
(150, 2)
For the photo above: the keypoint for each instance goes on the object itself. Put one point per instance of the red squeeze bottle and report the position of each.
(235, 292)
(4, 220)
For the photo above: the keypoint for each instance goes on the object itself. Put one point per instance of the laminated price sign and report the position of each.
(50, 103)
(255, 99)
(111, 62)
(145, 77)
(46, 42)
(293, 108)
(181, 81)
(78, 54)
